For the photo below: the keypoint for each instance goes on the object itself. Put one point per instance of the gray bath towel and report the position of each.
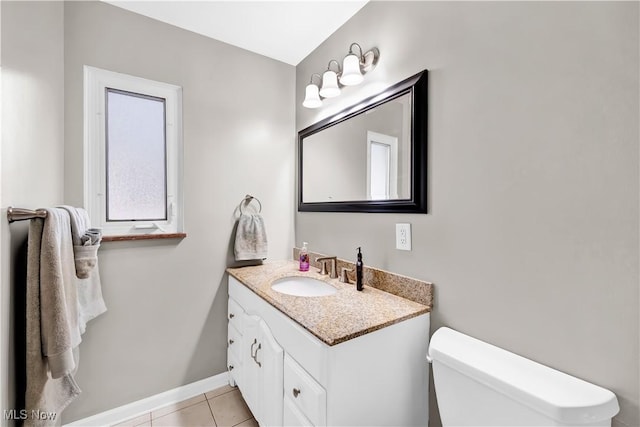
(52, 317)
(251, 238)
(86, 242)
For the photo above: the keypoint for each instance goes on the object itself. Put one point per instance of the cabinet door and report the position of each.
(270, 356)
(250, 368)
(262, 371)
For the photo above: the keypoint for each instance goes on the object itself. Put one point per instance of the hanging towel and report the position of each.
(251, 238)
(86, 242)
(52, 317)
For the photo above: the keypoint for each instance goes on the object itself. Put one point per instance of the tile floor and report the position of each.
(220, 407)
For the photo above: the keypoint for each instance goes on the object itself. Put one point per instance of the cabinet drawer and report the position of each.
(235, 314)
(305, 392)
(292, 417)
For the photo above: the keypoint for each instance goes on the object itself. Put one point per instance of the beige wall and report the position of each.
(532, 233)
(167, 300)
(166, 324)
(32, 96)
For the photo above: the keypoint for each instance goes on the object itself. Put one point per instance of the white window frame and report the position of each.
(96, 81)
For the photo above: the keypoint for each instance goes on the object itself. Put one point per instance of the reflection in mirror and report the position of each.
(364, 158)
(382, 167)
(371, 158)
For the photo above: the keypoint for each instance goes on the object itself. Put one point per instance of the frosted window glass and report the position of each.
(136, 157)
(379, 171)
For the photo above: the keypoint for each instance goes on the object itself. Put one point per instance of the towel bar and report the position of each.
(247, 199)
(21, 214)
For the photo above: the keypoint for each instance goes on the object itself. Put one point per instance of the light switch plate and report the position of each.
(403, 237)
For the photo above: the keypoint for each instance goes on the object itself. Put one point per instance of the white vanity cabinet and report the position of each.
(262, 369)
(290, 377)
(255, 364)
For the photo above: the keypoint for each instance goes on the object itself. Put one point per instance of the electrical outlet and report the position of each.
(403, 237)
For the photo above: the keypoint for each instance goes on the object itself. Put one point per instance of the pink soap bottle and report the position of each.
(304, 257)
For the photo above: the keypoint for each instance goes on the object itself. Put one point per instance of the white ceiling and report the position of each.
(284, 30)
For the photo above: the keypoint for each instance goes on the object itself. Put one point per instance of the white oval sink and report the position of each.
(303, 287)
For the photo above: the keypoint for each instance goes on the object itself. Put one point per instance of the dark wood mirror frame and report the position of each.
(417, 87)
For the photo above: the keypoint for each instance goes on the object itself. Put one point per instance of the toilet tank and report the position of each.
(478, 384)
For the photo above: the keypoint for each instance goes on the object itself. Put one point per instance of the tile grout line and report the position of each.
(244, 421)
(215, 397)
(177, 410)
(206, 399)
(222, 394)
(211, 411)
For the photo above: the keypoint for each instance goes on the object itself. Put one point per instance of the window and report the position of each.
(133, 154)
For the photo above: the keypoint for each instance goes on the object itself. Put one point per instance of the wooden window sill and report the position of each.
(144, 237)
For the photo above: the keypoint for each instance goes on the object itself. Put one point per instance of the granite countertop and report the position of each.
(334, 318)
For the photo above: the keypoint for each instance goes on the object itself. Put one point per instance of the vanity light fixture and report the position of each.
(354, 66)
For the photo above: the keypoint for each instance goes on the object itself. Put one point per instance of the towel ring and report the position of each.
(248, 199)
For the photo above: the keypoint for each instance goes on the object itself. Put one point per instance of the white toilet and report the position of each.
(478, 384)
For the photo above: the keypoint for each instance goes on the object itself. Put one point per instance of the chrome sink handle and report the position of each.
(344, 277)
(334, 261)
(323, 270)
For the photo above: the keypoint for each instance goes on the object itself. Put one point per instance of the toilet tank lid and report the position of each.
(559, 396)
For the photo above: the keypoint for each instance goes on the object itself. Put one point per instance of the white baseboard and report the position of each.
(151, 403)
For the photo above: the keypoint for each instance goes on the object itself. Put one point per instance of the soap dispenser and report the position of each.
(359, 267)
(304, 257)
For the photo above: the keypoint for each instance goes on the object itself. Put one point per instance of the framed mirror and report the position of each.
(371, 157)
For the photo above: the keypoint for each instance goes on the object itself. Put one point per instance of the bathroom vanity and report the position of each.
(349, 358)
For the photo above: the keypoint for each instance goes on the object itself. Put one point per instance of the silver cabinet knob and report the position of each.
(231, 315)
(231, 367)
(296, 392)
(231, 342)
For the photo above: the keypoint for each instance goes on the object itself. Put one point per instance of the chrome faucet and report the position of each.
(344, 277)
(323, 270)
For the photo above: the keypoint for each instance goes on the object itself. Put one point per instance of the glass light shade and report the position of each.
(351, 74)
(311, 97)
(329, 84)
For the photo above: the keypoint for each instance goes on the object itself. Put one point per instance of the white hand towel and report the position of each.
(90, 301)
(52, 318)
(251, 238)
(86, 241)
